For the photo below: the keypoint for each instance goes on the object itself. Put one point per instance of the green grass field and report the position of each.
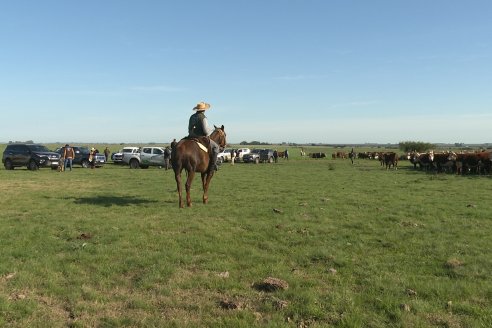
(358, 246)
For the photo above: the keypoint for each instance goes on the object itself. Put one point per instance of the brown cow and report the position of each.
(444, 162)
(480, 162)
(341, 154)
(390, 159)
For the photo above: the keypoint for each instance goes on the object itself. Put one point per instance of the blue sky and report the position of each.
(329, 71)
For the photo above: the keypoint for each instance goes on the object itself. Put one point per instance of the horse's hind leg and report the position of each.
(191, 175)
(177, 176)
(204, 186)
(206, 177)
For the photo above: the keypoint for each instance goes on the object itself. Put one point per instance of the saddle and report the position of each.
(202, 142)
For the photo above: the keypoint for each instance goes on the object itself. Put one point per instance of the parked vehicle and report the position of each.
(117, 157)
(33, 156)
(82, 156)
(224, 156)
(241, 152)
(253, 156)
(147, 156)
(266, 155)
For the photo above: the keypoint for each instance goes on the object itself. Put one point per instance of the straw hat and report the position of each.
(201, 106)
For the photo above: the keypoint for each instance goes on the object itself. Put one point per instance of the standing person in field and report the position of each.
(69, 155)
(352, 155)
(173, 143)
(92, 157)
(198, 127)
(167, 158)
(275, 155)
(233, 156)
(286, 154)
(106, 153)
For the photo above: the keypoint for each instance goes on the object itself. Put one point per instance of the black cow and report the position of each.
(317, 155)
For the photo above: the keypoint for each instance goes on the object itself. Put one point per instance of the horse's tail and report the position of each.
(174, 156)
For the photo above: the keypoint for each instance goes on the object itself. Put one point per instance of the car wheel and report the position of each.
(8, 164)
(134, 164)
(85, 163)
(270, 160)
(32, 165)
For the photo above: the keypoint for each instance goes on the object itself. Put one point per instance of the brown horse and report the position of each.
(189, 156)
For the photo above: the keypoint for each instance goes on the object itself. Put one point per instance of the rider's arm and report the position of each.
(206, 128)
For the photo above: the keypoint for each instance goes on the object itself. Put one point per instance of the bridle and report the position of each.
(221, 140)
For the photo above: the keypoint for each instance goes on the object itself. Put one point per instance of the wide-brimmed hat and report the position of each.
(201, 106)
(92, 149)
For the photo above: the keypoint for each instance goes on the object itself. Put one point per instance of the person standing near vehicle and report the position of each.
(173, 143)
(92, 157)
(233, 156)
(106, 153)
(69, 155)
(167, 158)
(198, 127)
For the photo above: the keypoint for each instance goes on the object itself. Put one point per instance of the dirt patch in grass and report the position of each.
(453, 263)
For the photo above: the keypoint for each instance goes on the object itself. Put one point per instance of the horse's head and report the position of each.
(219, 136)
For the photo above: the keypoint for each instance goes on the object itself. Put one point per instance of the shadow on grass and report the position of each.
(108, 201)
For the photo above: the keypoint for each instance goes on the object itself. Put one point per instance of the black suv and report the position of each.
(33, 156)
(266, 155)
(253, 156)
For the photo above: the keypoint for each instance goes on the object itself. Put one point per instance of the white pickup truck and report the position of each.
(147, 156)
(118, 157)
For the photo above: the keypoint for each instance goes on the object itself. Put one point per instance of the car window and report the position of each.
(147, 150)
(17, 148)
(38, 148)
(158, 151)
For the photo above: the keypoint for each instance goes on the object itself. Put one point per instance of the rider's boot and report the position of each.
(213, 161)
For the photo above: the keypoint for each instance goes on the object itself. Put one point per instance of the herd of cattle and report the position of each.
(478, 162)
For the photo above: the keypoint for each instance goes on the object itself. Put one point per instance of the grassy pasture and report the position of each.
(359, 246)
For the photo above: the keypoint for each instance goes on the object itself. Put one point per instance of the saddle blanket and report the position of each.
(202, 147)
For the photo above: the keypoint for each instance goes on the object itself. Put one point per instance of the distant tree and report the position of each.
(419, 146)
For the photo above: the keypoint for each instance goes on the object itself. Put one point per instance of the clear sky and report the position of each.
(327, 71)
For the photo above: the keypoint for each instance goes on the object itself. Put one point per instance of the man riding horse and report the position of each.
(198, 128)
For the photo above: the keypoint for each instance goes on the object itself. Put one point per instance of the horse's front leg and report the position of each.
(206, 177)
(189, 180)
